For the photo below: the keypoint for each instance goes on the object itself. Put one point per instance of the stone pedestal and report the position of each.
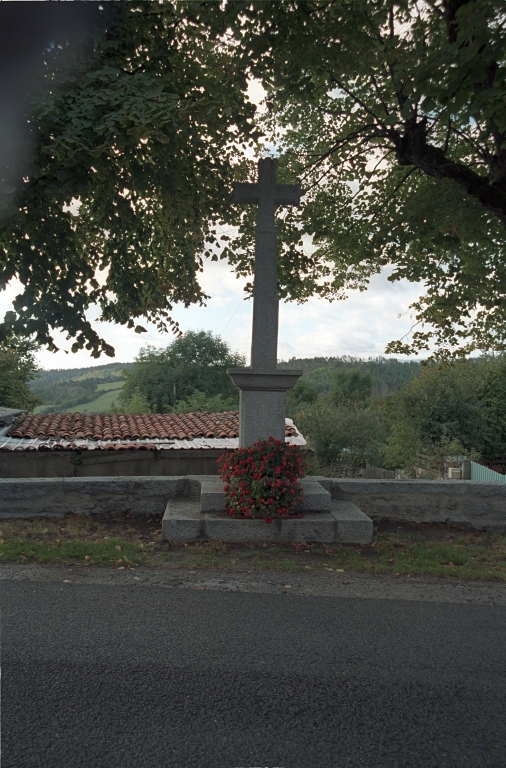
(262, 403)
(324, 519)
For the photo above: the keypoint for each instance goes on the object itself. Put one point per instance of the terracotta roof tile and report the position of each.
(66, 431)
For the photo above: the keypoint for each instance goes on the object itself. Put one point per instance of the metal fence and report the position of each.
(485, 475)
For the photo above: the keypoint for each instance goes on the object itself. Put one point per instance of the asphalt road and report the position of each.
(124, 673)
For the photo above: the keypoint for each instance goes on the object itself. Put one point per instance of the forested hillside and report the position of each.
(84, 388)
(101, 372)
(388, 375)
(81, 389)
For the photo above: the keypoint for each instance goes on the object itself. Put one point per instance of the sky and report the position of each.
(360, 326)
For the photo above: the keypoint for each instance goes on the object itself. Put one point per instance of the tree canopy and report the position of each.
(137, 129)
(351, 386)
(463, 403)
(193, 363)
(394, 117)
(17, 368)
(392, 114)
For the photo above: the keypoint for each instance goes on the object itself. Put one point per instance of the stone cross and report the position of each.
(262, 386)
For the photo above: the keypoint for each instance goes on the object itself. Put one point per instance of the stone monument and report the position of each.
(262, 386)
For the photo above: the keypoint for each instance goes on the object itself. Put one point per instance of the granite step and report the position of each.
(315, 499)
(329, 521)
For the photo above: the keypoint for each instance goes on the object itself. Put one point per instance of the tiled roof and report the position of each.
(92, 431)
(99, 426)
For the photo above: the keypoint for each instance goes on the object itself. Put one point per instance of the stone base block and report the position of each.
(261, 415)
(319, 528)
(190, 519)
(352, 525)
(316, 498)
(212, 495)
(228, 529)
(182, 521)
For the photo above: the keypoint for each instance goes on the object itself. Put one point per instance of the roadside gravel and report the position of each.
(326, 584)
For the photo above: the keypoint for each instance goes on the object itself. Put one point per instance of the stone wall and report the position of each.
(112, 496)
(463, 502)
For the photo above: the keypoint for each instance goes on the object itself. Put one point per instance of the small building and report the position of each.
(105, 445)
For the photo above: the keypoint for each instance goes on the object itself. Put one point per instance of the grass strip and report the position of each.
(425, 549)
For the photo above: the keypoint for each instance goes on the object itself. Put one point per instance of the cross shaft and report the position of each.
(267, 194)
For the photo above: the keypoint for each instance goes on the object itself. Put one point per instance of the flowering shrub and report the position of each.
(261, 481)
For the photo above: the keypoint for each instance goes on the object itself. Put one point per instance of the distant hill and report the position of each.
(71, 374)
(91, 389)
(388, 374)
(96, 389)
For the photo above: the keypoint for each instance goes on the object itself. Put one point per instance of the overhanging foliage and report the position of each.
(394, 117)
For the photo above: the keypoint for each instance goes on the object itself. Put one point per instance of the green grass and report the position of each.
(110, 385)
(109, 394)
(101, 404)
(435, 550)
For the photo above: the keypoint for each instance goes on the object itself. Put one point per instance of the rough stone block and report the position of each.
(212, 495)
(182, 521)
(30, 488)
(352, 526)
(325, 482)
(315, 499)
(262, 415)
(319, 527)
(361, 487)
(167, 487)
(221, 528)
(195, 485)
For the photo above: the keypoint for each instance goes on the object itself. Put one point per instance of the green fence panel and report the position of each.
(485, 475)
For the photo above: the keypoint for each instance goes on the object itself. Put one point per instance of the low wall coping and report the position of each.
(481, 505)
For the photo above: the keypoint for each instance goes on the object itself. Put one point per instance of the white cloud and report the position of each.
(361, 325)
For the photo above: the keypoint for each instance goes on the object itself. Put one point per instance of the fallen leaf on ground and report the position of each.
(117, 548)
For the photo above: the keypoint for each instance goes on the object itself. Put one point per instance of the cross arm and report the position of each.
(287, 194)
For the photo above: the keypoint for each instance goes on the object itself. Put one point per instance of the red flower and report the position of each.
(271, 463)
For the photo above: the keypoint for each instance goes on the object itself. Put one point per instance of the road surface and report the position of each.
(103, 669)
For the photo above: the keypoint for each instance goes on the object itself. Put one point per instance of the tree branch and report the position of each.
(413, 149)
